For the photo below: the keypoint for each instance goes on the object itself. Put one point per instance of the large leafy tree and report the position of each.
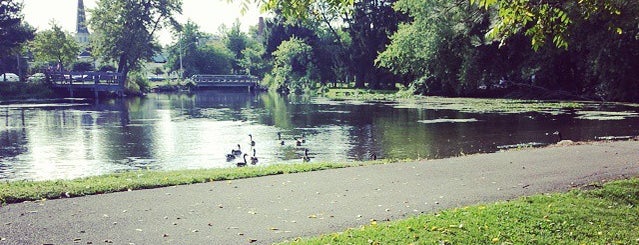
(549, 20)
(55, 45)
(236, 41)
(294, 66)
(13, 32)
(370, 25)
(443, 46)
(185, 47)
(124, 30)
(201, 53)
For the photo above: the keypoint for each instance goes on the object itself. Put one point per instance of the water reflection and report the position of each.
(185, 131)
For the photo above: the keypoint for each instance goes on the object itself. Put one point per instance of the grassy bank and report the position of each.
(19, 191)
(607, 215)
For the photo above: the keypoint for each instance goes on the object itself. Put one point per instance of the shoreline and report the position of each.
(282, 207)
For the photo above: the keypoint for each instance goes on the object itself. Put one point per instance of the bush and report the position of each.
(18, 91)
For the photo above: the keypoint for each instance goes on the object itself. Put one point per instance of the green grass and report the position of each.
(19, 191)
(608, 215)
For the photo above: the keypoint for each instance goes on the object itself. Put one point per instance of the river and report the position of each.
(197, 130)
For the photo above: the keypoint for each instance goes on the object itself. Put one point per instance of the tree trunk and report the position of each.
(123, 68)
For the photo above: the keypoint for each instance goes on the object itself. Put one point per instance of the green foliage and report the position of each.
(293, 67)
(13, 31)
(236, 41)
(123, 31)
(541, 20)
(200, 53)
(82, 66)
(252, 62)
(603, 216)
(21, 91)
(55, 46)
(138, 83)
(439, 47)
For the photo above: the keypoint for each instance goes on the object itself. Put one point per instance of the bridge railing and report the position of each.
(85, 78)
(224, 78)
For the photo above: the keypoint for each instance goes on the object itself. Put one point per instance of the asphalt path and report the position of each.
(277, 208)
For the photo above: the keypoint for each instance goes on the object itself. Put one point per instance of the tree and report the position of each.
(442, 47)
(55, 45)
(183, 51)
(252, 61)
(294, 68)
(124, 30)
(201, 53)
(13, 33)
(370, 25)
(236, 41)
(542, 20)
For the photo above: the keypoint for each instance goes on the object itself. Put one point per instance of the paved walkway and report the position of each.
(276, 208)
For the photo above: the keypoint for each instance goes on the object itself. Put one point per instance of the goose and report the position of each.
(251, 140)
(373, 156)
(238, 151)
(298, 142)
(279, 136)
(254, 158)
(306, 158)
(242, 164)
(558, 135)
(230, 157)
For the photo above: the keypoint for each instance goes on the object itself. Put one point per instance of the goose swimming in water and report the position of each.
(230, 157)
(242, 164)
(254, 159)
(251, 140)
(238, 151)
(306, 158)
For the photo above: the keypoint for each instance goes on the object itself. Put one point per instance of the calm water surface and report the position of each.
(187, 131)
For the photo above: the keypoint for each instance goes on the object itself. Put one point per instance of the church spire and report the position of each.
(81, 26)
(81, 30)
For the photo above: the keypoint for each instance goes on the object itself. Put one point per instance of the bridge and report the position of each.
(225, 81)
(83, 82)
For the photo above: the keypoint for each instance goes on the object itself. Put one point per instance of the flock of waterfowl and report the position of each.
(237, 153)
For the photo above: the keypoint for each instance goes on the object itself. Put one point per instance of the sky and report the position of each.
(208, 14)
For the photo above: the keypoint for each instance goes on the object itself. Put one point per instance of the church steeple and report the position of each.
(81, 30)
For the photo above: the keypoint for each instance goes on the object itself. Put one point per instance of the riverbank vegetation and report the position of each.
(605, 214)
(580, 50)
(25, 91)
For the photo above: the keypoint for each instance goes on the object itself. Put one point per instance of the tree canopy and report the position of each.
(123, 31)
(13, 32)
(55, 45)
